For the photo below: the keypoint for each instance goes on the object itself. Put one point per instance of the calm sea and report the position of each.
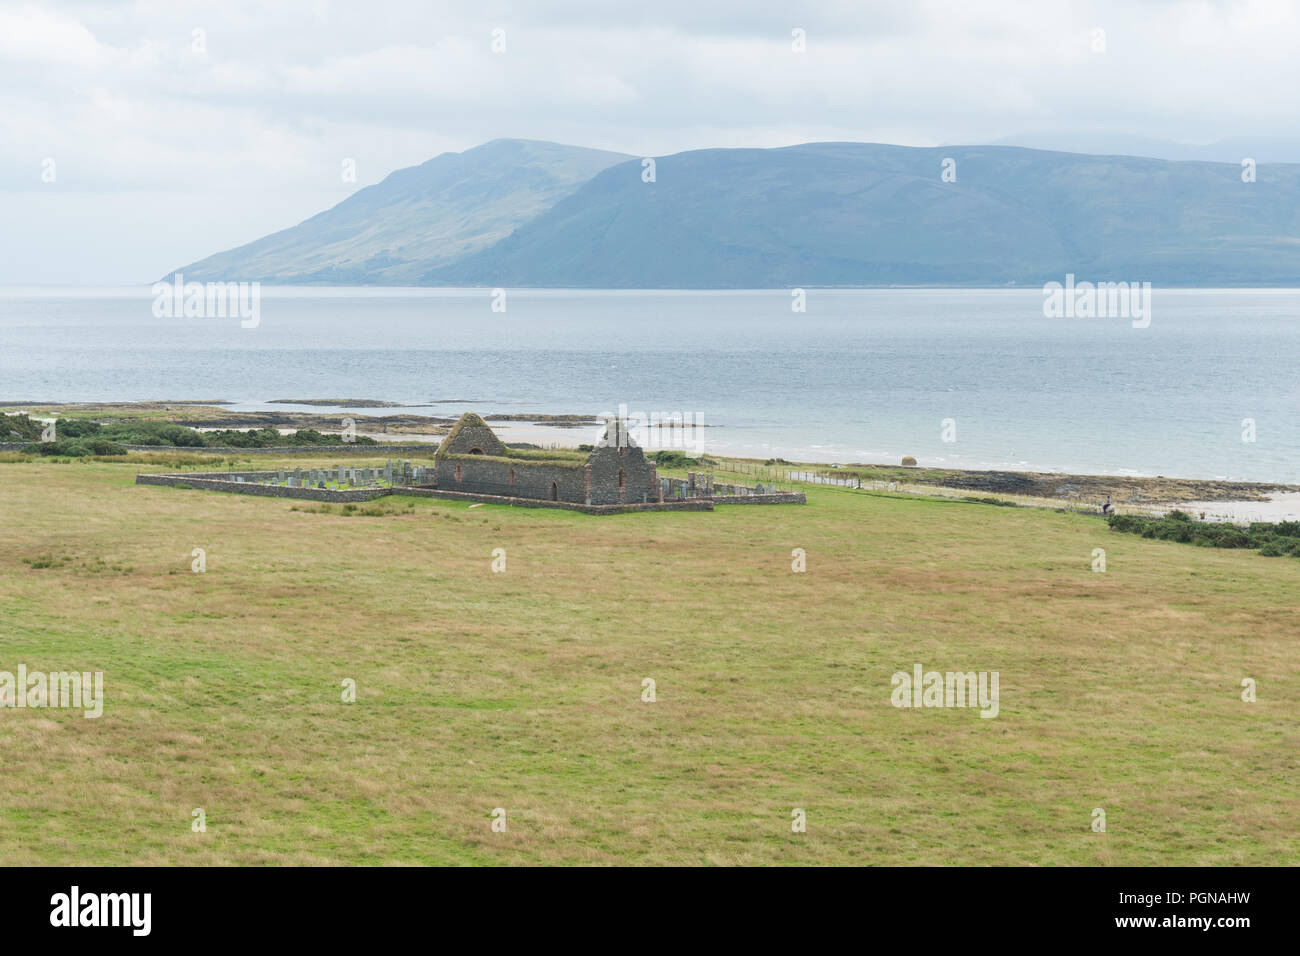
(860, 376)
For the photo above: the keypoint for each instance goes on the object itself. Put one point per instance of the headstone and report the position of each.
(279, 476)
(293, 482)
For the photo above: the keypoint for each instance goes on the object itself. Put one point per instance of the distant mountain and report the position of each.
(821, 214)
(1275, 149)
(417, 218)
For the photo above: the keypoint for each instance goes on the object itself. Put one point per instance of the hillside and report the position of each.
(821, 214)
(417, 218)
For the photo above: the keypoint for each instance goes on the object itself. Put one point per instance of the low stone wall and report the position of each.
(413, 450)
(783, 498)
(728, 494)
(206, 481)
(693, 504)
(265, 491)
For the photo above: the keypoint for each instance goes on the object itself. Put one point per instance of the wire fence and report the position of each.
(775, 475)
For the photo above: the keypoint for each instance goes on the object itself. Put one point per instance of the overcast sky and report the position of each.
(169, 145)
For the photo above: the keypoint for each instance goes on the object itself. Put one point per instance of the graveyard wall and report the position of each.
(205, 482)
(209, 483)
(780, 498)
(729, 494)
(694, 504)
(318, 450)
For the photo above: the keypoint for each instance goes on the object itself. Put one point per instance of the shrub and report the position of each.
(76, 427)
(674, 459)
(162, 434)
(19, 428)
(63, 448)
(1273, 540)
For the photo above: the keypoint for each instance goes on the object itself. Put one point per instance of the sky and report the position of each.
(138, 136)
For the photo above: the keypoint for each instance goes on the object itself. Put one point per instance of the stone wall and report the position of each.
(695, 504)
(266, 491)
(478, 474)
(471, 435)
(620, 474)
(321, 450)
(207, 483)
(677, 489)
(778, 498)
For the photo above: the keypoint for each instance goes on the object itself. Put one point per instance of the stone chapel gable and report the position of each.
(470, 436)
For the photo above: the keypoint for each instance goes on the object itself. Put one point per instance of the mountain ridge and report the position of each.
(832, 214)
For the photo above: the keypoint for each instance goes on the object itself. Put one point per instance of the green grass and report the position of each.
(522, 689)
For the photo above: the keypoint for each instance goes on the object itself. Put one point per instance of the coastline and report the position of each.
(1216, 499)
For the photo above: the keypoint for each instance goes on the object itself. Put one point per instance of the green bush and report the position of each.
(63, 448)
(19, 428)
(75, 448)
(164, 434)
(1272, 540)
(674, 459)
(76, 427)
(268, 437)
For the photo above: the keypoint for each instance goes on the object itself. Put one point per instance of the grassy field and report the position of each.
(522, 689)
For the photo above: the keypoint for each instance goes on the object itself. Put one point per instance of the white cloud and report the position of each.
(118, 96)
